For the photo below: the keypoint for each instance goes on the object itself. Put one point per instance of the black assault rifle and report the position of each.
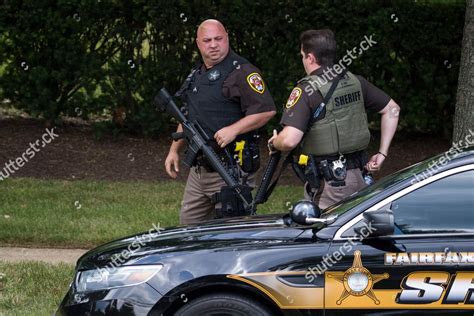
(197, 140)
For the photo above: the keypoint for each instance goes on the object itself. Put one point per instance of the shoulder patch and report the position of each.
(294, 97)
(255, 82)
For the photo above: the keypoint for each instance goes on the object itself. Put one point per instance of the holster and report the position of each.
(231, 204)
(251, 157)
(313, 175)
(309, 173)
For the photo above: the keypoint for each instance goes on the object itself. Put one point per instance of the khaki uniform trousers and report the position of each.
(328, 195)
(197, 205)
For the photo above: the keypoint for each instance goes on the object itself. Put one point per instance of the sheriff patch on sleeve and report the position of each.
(294, 97)
(255, 82)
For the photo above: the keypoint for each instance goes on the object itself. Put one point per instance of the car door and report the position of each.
(425, 266)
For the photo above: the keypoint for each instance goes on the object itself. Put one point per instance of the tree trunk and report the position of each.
(464, 115)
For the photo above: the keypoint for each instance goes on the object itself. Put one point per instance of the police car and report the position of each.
(404, 245)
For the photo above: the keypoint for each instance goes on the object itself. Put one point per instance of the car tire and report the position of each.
(223, 305)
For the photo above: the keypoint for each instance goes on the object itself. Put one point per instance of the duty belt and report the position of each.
(355, 160)
(333, 169)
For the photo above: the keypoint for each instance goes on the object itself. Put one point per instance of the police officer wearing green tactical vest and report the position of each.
(325, 122)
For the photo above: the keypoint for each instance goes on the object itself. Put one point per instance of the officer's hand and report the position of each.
(172, 164)
(375, 163)
(271, 148)
(225, 136)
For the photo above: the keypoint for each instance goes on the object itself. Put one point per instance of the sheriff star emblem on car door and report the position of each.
(358, 281)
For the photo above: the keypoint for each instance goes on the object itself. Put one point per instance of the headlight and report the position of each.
(103, 279)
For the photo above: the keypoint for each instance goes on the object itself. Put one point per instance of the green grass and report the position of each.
(32, 288)
(84, 213)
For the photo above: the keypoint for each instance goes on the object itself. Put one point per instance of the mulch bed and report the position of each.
(77, 154)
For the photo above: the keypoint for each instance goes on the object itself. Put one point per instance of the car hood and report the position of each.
(150, 246)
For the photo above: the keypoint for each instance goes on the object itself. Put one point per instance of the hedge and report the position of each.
(90, 57)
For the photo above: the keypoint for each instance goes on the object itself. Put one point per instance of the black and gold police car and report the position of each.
(404, 245)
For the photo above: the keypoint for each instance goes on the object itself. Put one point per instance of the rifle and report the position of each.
(196, 139)
(262, 193)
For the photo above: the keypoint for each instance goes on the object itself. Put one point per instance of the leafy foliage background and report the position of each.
(95, 57)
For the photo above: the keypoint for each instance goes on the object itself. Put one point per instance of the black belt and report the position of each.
(355, 160)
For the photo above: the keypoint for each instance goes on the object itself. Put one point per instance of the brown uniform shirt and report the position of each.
(299, 114)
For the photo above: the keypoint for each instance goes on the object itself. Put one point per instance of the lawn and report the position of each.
(32, 288)
(81, 214)
(54, 213)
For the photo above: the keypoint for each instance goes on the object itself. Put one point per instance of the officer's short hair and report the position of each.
(321, 43)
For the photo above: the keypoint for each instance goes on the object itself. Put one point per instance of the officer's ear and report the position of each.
(312, 58)
(309, 57)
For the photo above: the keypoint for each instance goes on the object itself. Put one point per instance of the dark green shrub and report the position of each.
(90, 56)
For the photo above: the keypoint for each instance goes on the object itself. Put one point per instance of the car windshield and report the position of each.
(386, 182)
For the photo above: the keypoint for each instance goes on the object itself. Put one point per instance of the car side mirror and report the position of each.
(307, 213)
(377, 223)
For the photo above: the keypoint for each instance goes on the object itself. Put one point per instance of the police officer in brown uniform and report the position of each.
(332, 136)
(228, 97)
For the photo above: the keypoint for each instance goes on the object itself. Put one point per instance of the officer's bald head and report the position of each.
(212, 41)
(210, 24)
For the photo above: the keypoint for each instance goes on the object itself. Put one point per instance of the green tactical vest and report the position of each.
(344, 128)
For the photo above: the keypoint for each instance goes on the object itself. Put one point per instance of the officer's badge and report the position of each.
(213, 75)
(255, 82)
(294, 97)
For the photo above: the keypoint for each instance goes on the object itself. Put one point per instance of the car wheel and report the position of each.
(223, 305)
